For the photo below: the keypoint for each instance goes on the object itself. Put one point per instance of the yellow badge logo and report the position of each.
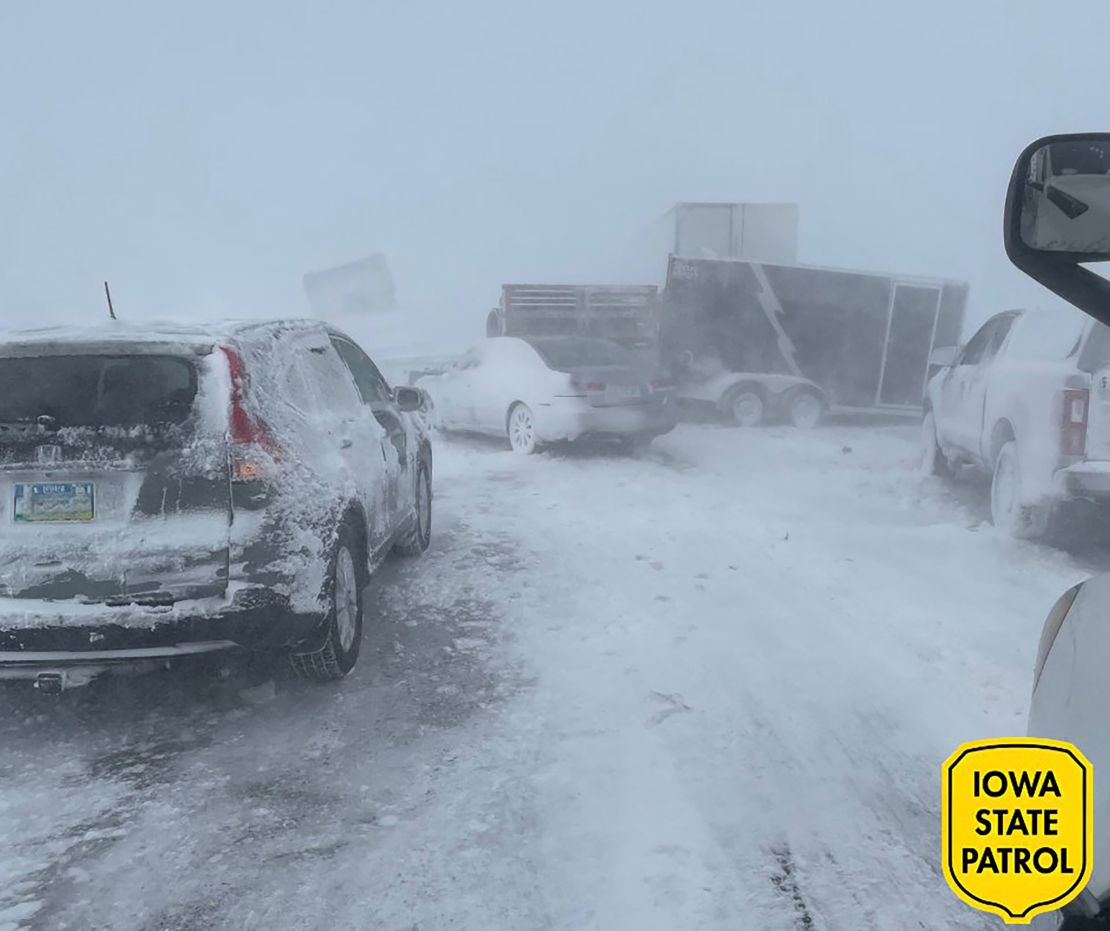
(1016, 823)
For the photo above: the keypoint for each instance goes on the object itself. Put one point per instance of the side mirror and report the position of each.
(1060, 197)
(409, 399)
(944, 356)
(1058, 216)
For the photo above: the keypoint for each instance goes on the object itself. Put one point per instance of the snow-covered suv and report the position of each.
(167, 491)
(1028, 401)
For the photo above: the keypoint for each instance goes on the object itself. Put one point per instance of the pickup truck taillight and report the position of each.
(1073, 428)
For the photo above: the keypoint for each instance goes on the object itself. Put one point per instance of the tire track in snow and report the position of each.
(786, 882)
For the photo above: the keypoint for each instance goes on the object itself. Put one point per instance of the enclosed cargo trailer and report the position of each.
(864, 338)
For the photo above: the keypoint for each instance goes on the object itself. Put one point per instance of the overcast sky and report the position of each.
(204, 157)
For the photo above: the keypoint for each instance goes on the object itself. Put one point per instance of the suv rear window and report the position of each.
(96, 390)
(574, 352)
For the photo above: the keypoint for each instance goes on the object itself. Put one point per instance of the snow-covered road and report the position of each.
(707, 688)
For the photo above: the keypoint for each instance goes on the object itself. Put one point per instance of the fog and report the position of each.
(674, 631)
(203, 158)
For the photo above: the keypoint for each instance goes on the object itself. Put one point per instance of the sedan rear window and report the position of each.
(96, 390)
(574, 352)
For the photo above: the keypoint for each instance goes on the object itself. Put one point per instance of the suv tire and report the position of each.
(418, 537)
(336, 656)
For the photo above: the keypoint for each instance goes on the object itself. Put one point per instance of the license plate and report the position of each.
(625, 392)
(44, 502)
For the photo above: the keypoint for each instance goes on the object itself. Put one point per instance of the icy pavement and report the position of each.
(706, 688)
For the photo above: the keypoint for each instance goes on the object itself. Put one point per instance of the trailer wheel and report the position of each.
(805, 408)
(745, 406)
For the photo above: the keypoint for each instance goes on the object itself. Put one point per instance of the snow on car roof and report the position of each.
(164, 335)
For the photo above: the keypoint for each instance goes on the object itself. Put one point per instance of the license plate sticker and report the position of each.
(46, 502)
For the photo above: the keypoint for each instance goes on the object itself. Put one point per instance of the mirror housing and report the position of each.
(1061, 197)
(409, 399)
(944, 356)
(1058, 216)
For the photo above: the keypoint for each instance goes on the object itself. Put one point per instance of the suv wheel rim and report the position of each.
(346, 599)
(747, 409)
(521, 429)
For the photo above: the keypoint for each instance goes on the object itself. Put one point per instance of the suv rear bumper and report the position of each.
(57, 670)
(51, 634)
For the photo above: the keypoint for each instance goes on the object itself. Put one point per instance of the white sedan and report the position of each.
(552, 388)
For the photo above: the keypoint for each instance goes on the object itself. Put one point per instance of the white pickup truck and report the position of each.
(1027, 400)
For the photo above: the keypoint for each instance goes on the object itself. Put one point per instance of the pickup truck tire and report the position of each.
(933, 460)
(1008, 513)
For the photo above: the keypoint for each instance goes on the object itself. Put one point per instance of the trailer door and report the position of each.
(910, 328)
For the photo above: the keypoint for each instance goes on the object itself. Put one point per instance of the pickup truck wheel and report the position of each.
(745, 406)
(1008, 512)
(337, 655)
(933, 460)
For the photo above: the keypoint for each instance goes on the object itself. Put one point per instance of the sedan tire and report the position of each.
(522, 429)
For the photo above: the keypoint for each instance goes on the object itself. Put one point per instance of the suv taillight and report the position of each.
(1073, 426)
(249, 439)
